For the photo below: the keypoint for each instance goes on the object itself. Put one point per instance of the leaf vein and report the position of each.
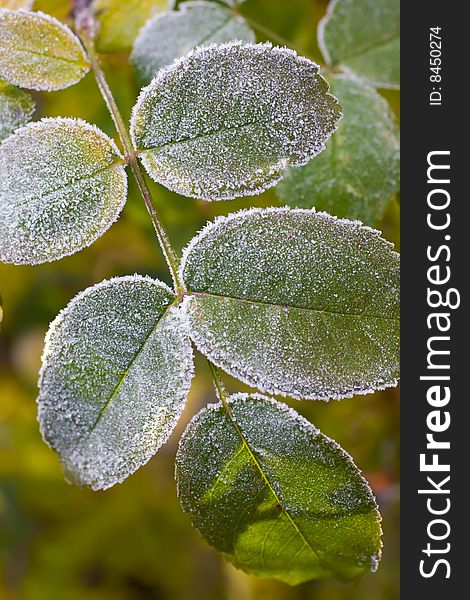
(125, 373)
(299, 308)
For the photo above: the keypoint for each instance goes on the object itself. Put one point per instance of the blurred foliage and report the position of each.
(133, 541)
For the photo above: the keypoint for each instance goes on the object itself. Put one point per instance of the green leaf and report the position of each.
(16, 108)
(363, 36)
(171, 35)
(274, 495)
(117, 367)
(16, 4)
(63, 185)
(120, 22)
(295, 303)
(359, 171)
(38, 52)
(226, 120)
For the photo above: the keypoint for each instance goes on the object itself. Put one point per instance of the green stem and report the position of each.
(222, 393)
(85, 26)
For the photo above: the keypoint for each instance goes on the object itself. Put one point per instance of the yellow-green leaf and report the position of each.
(120, 22)
(39, 52)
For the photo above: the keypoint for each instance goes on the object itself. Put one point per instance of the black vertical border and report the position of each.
(426, 128)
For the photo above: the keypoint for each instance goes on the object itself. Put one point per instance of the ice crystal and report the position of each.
(117, 367)
(39, 52)
(16, 108)
(295, 302)
(227, 119)
(172, 34)
(62, 186)
(276, 496)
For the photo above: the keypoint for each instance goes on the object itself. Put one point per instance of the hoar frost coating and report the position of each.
(295, 302)
(117, 367)
(227, 119)
(285, 515)
(62, 186)
(39, 52)
(170, 35)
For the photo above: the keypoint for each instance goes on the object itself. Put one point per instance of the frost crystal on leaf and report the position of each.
(38, 52)
(171, 35)
(359, 171)
(295, 302)
(117, 367)
(226, 120)
(16, 108)
(373, 51)
(62, 187)
(274, 495)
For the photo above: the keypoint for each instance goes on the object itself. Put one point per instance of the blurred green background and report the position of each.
(133, 541)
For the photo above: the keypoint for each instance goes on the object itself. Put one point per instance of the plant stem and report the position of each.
(220, 387)
(85, 27)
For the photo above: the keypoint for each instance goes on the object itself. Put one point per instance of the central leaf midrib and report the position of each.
(301, 308)
(201, 136)
(77, 62)
(72, 183)
(128, 368)
(263, 122)
(296, 528)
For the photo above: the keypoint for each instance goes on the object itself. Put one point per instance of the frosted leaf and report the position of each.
(16, 108)
(16, 4)
(120, 22)
(226, 120)
(359, 171)
(63, 185)
(295, 302)
(117, 367)
(172, 34)
(38, 52)
(274, 495)
(363, 36)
